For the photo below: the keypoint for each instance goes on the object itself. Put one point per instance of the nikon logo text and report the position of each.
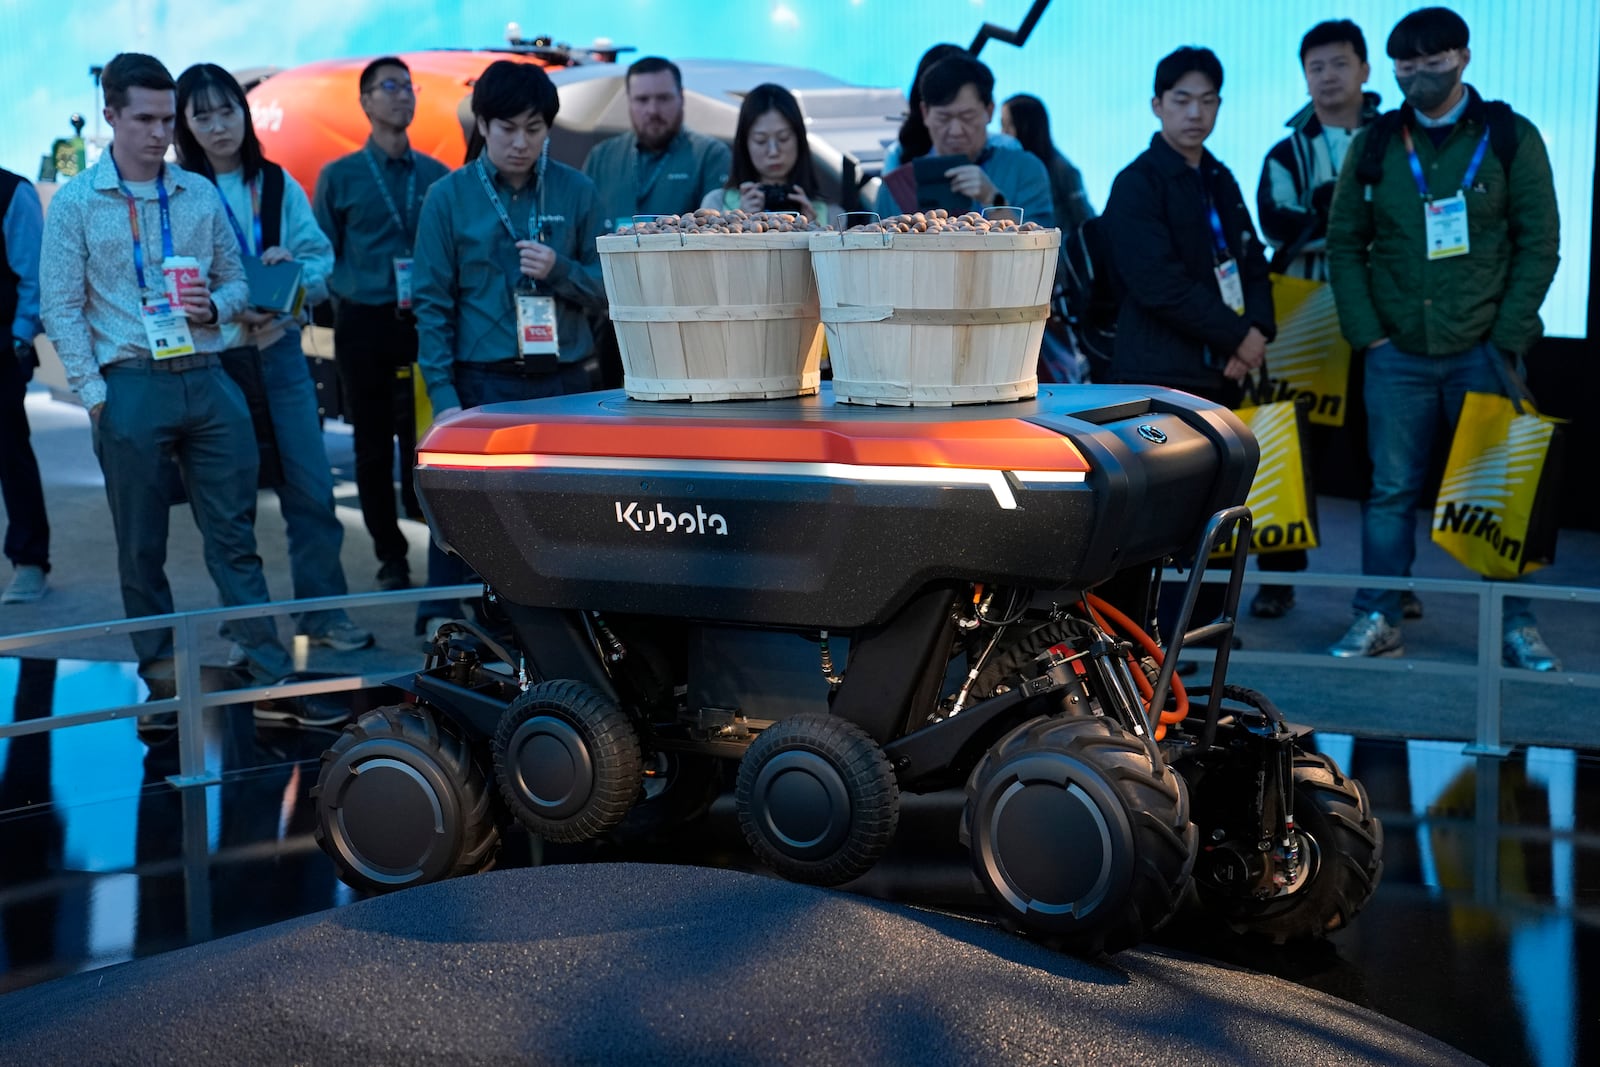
(649, 520)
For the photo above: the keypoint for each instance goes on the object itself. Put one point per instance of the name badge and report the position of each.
(1230, 285)
(166, 330)
(536, 325)
(1447, 227)
(402, 280)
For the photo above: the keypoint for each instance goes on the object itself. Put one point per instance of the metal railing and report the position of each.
(191, 700)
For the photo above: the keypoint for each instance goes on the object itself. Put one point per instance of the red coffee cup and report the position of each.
(179, 271)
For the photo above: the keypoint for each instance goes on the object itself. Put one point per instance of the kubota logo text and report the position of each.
(647, 520)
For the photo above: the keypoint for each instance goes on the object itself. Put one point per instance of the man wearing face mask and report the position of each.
(1442, 242)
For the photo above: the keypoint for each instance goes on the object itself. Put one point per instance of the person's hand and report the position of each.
(802, 202)
(254, 318)
(1235, 370)
(445, 413)
(194, 300)
(537, 260)
(752, 197)
(94, 413)
(1252, 351)
(276, 254)
(970, 180)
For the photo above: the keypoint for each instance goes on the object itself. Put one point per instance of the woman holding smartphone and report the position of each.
(772, 169)
(273, 222)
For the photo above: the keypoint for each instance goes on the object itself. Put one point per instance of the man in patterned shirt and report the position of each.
(147, 370)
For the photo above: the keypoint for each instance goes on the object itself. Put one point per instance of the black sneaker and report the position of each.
(1410, 605)
(394, 574)
(1272, 601)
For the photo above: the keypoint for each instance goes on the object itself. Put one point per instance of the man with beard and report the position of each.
(1442, 242)
(659, 168)
(368, 203)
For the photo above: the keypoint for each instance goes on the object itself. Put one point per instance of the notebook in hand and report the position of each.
(276, 287)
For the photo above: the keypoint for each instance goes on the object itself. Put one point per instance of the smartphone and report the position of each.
(777, 197)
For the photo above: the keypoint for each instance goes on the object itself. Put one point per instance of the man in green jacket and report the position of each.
(1439, 265)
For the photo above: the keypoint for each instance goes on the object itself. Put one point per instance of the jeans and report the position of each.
(1410, 399)
(27, 527)
(306, 495)
(199, 417)
(476, 387)
(372, 347)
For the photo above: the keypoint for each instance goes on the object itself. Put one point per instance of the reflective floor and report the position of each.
(1485, 931)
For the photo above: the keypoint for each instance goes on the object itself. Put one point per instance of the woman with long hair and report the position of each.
(273, 223)
(772, 168)
(1025, 118)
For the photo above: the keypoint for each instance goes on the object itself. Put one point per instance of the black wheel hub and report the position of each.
(801, 804)
(551, 768)
(392, 815)
(1052, 838)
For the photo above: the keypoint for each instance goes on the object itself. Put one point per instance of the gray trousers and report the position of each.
(198, 417)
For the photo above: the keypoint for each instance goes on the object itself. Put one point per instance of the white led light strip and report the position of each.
(846, 472)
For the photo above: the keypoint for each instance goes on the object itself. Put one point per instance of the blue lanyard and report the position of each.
(1216, 229)
(388, 198)
(1416, 164)
(255, 213)
(133, 220)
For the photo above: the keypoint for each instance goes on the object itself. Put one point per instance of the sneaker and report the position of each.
(342, 636)
(236, 656)
(1410, 605)
(394, 574)
(27, 585)
(1272, 601)
(430, 630)
(161, 727)
(1370, 635)
(322, 709)
(1524, 648)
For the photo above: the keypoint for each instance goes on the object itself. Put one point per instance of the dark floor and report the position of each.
(1479, 933)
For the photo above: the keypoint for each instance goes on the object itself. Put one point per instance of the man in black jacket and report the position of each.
(1197, 314)
(1197, 309)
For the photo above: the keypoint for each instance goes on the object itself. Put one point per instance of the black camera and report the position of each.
(778, 198)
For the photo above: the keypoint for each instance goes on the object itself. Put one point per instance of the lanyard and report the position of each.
(1416, 164)
(133, 220)
(535, 214)
(644, 187)
(388, 198)
(255, 214)
(1216, 228)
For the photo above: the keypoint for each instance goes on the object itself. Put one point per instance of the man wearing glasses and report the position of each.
(368, 203)
(1442, 241)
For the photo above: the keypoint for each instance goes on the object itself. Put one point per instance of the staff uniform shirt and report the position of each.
(24, 228)
(90, 295)
(1018, 176)
(468, 270)
(353, 213)
(298, 231)
(630, 181)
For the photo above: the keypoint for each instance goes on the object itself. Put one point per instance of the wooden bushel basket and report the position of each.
(934, 319)
(714, 316)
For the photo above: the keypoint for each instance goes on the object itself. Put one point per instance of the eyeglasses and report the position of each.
(1437, 63)
(395, 88)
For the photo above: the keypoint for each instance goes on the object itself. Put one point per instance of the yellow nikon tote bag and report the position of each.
(1281, 503)
(1309, 357)
(1497, 510)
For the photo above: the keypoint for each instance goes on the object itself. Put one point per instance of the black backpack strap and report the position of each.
(1369, 168)
(1502, 123)
(271, 206)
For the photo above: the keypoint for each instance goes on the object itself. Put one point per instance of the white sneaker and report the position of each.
(1370, 635)
(28, 584)
(236, 656)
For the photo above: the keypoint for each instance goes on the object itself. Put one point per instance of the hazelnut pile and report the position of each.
(710, 220)
(941, 221)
